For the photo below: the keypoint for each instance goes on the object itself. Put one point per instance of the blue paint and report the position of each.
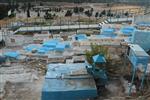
(99, 59)
(61, 83)
(69, 95)
(137, 56)
(141, 38)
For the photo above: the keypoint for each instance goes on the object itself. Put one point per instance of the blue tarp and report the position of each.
(127, 30)
(80, 37)
(108, 31)
(43, 49)
(60, 47)
(143, 24)
(99, 59)
(67, 44)
(103, 36)
(31, 47)
(12, 54)
(51, 43)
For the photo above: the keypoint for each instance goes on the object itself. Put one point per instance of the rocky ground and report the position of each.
(19, 82)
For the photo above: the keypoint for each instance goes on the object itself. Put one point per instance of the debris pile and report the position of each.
(37, 65)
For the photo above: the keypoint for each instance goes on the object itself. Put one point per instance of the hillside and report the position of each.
(103, 1)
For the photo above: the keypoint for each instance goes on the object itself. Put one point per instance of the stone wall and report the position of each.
(142, 19)
(18, 40)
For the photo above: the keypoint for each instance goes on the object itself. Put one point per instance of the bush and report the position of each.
(68, 13)
(4, 11)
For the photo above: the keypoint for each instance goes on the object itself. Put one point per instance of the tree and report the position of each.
(81, 9)
(117, 16)
(38, 14)
(88, 13)
(109, 14)
(96, 49)
(108, 4)
(68, 13)
(41, 3)
(29, 5)
(16, 6)
(126, 14)
(76, 10)
(28, 13)
(4, 11)
(46, 13)
(59, 9)
(96, 15)
(100, 15)
(103, 12)
(24, 7)
(54, 15)
(92, 9)
(78, 1)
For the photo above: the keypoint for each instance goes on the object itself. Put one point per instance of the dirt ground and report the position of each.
(24, 91)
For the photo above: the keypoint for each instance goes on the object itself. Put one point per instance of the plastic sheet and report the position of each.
(31, 47)
(80, 37)
(50, 43)
(12, 54)
(127, 30)
(60, 47)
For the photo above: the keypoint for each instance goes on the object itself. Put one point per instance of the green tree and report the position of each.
(103, 12)
(28, 13)
(4, 11)
(126, 14)
(68, 13)
(38, 14)
(81, 9)
(76, 10)
(96, 14)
